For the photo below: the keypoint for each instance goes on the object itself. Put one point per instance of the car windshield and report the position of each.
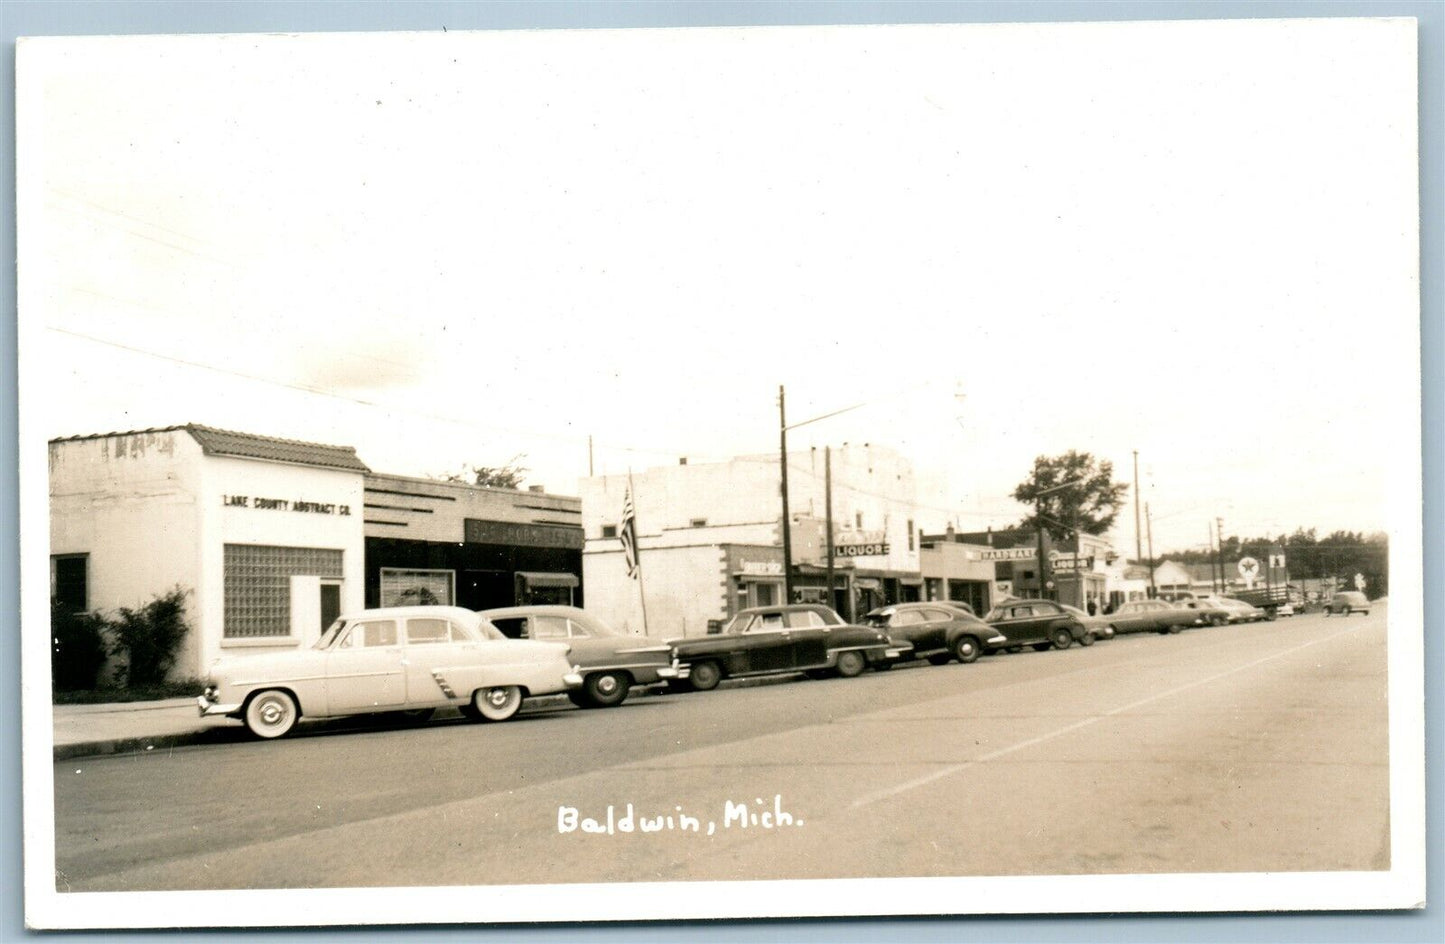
(328, 637)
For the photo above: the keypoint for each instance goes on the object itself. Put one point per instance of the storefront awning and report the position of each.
(535, 579)
(911, 581)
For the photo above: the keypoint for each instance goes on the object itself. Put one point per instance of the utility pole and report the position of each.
(1219, 553)
(1213, 575)
(1149, 521)
(828, 513)
(787, 522)
(1138, 537)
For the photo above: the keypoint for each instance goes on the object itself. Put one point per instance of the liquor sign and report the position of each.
(1065, 565)
(876, 549)
(861, 544)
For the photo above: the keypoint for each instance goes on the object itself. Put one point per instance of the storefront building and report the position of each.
(953, 570)
(1078, 570)
(465, 545)
(271, 539)
(709, 538)
(263, 535)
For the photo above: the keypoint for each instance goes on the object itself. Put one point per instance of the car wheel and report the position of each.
(498, 703)
(271, 714)
(1218, 620)
(966, 649)
(1087, 639)
(1015, 648)
(1062, 638)
(1173, 629)
(579, 698)
(705, 676)
(851, 663)
(607, 689)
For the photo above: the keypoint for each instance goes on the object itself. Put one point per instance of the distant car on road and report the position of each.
(1098, 626)
(939, 632)
(1347, 602)
(1208, 611)
(1151, 616)
(1039, 623)
(411, 659)
(772, 640)
(1241, 612)
(610, 662)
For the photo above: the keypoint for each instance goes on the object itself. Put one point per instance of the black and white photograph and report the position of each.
(582, 475)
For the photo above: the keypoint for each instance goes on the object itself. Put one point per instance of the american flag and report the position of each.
(627, 533)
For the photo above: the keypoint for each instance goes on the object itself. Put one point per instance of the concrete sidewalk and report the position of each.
(83, 730)
(135, 727)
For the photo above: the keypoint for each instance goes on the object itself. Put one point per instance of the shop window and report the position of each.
(68, 583)
(609, 530)
(697, 523)
(257, 581)
(401, 587)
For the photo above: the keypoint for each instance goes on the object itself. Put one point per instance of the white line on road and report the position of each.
(1001, 752)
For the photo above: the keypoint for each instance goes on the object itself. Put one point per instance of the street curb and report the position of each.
(236, 734)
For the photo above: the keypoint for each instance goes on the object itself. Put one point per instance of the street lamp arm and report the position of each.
(846, 409)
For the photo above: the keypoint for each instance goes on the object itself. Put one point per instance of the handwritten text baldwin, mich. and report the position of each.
(761, 814)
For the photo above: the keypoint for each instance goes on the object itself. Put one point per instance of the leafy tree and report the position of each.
(1071, 493)
(509, 475)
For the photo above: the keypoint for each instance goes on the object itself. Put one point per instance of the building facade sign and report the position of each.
(878, 549)
(521, 535)
(1008, 554)
(285, 504)
(757, 568)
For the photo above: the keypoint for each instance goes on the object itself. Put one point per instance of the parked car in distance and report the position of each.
(1039, 623)
(939, 632)
(1098, 626)
(1151, 616)
(610, 662)
(1241, 612)
(1347, 602)
(1208, 611)
(411, 659)
(772, 640)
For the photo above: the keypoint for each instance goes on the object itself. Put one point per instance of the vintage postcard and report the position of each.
(594, 475)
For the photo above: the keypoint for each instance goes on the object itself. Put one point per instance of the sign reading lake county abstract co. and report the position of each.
(284, 504)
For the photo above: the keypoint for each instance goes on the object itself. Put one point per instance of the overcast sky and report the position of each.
(1194, 240)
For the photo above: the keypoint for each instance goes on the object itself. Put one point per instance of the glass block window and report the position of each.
(417, 587)
(258, 585)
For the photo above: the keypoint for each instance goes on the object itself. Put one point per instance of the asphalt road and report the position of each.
(1244, 748)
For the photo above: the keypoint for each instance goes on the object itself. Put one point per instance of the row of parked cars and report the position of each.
(410, 661)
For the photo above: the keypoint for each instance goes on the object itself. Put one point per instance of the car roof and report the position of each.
(401, 612)
(541, 609)
(785, 608)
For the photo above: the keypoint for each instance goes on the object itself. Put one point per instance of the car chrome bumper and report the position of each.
(896, 653)
(572, 680)
(210, 709)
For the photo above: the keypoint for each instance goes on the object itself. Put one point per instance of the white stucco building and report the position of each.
(265, 534)
(710, 537)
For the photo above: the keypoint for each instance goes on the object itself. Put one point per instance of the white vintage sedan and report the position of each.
(411, 659)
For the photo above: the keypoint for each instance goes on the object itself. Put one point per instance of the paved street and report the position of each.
(1245, 748)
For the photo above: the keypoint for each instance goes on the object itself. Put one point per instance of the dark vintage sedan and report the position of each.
(771, 640)
(1038, 623)
(939, 632)
(1151, 616)
(610, 662)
